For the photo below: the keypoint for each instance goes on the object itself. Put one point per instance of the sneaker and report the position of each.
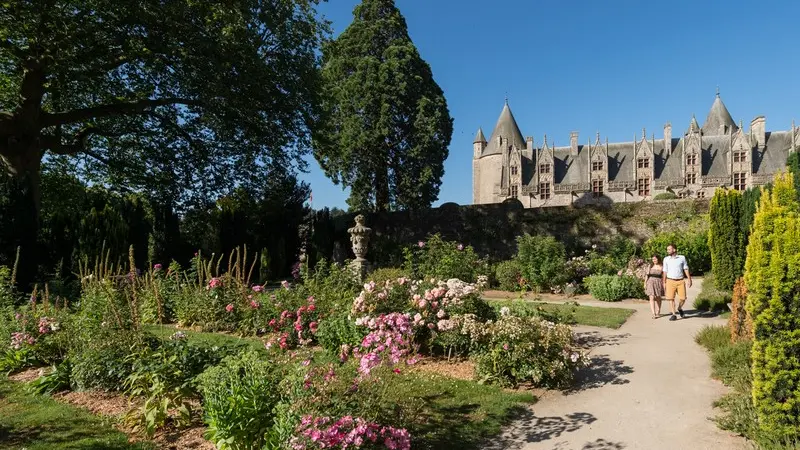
(672, 317)
(680, 311)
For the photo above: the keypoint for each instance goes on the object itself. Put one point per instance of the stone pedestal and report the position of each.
(359, 236)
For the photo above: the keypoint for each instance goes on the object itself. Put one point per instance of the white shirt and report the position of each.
(674, 267)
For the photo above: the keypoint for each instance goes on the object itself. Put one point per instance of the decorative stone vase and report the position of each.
(359, 236)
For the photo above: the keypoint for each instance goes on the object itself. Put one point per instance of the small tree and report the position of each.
(773, 301)
(725, 239)
(740, 322)
(542, 260)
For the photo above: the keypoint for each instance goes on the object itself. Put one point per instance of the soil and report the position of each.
(109, 404)
(27, 375)
(459, 369)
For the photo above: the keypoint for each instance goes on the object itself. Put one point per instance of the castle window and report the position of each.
(701, 194)
(643, 163)
(597, 188)
(544, 168)
(691, 160)
(544, 191)
(740, 181)
(514, 191)
(691, 178)
(739, 157)
(683, 194)
(514, 170)
(643, 186)
(597, 165)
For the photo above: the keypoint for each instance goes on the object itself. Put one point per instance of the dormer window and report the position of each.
(514, 170)
(514, 191)
(739, 156)
(597, 165)
(643, 163)
(544, 168)
(691, 160)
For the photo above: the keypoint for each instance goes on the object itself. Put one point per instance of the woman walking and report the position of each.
(654, 286)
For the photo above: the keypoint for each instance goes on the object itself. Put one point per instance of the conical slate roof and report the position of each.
(507, 128)
(693, 126)
(479, 137)
(717, 118)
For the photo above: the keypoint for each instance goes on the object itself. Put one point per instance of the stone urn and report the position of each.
(359, 237)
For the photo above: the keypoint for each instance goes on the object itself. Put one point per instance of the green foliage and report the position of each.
(99, 358)
(381, 276)
(542, 259)
(712, 298)
(440, 259)
(339, 330)
(518, 349)
(239, 397)
(726, 241)
(713, 337)
(692, 245)
(57, 379)
(665, 196)
(612, 288)
(773, 260)
(750, 200)
(508, 275)
(386, 127)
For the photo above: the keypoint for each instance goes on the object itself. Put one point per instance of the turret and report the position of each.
(758, 128)
(479, 144)
(668, 138)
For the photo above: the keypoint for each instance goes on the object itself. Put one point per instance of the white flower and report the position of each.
(505, 311)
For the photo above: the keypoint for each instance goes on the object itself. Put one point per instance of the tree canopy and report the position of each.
(185, 94)
(385, 126)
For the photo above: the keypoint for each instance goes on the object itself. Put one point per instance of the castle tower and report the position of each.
(719, 120)
(491, 167)
(479, 144)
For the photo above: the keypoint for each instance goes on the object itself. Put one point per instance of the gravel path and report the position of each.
(648, 387)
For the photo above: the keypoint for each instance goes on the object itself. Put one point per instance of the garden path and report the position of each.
(648, 387)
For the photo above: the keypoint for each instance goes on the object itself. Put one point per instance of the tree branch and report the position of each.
(111, 110)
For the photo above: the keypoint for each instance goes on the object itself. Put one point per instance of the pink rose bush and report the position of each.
(348, 432)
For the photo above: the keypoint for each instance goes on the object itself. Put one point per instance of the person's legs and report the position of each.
(658, 306)
(653, 306)
(681, 289)
(669, 294)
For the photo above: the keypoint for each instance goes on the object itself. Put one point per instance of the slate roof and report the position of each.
(718, 117)
(507, 128)
(479, 137)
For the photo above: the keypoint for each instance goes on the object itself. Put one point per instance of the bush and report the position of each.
(514, 349)
(437, 258)
(239, 397)
(773, 260)
(665, 196)
(542, 260)
(508, 274)
(740, 322)
(710, 298)
(381, 276)
(725, 239)
(730, 363)
(57, 379)
(339, 330)
(612, 288)
(713, 337)
(694, 246)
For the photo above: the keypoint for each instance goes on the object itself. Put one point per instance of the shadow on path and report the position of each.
(594, 339)
(601, 371)
(539, 429)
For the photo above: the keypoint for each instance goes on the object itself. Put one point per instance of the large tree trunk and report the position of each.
(21, 156)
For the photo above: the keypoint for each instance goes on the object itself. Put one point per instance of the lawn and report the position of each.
(574, 314)
(37, 423)
(200, 337)
(455, 414)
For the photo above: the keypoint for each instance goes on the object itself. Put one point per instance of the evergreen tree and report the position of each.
(725, 238)
(773, 303)
(386, 127)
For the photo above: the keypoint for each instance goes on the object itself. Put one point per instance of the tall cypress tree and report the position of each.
(386, 126)
(725, 238)
(773, 302)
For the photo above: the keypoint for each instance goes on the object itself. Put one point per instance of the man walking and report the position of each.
(675, 276)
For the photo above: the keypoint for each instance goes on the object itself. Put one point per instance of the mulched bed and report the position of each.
(27, 375)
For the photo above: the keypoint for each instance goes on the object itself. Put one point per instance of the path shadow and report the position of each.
(599, 444)
(528, 428)
(596, 339)
(600, 372)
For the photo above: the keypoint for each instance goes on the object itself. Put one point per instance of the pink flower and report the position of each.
(254, 304)
(313, 327)
(285, 284)
(421, 244)
(157, 267)
(258, 288)
(312, 308)
(396, 371)
(505, 347)
(310, 299)
(229, 308)
(460, 247)
(213, 283)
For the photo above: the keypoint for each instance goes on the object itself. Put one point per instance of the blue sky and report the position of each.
(591, 66)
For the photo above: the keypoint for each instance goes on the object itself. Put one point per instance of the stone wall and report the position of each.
(492, 229)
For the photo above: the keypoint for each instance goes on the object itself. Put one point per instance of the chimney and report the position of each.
(573, 143)
(668, 138)
(758, 130)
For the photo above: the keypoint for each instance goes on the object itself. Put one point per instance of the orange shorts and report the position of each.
(675, 286)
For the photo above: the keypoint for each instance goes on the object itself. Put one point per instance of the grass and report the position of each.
(455, 414)
(710, 298)
(573, 314)
(200, 337)
(37, 423)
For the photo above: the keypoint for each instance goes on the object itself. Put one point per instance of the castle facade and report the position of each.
(690, 165)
